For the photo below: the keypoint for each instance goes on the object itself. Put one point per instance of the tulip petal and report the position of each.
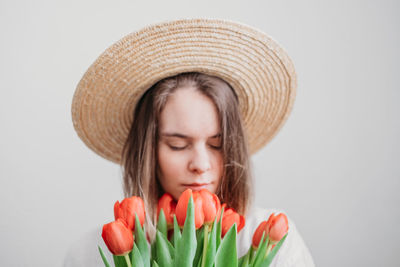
(242, 223)
(117, 237)
(181, 207)
(261, 229)
(227, 253)
(116, 210)
(168, 204)
(279, 227)
(126, 211)
(211, 205)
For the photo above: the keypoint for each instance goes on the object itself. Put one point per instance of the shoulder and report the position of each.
(84, 251)
(293, 252)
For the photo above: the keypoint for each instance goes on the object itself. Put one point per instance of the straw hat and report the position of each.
(256, 67)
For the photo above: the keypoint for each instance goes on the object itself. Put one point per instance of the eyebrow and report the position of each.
(185, 136)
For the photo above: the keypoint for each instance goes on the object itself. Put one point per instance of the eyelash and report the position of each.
(182, 148)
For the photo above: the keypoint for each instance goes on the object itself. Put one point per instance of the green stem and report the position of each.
(203, 260)
(269, 248)
(128, 261)
(251, 253)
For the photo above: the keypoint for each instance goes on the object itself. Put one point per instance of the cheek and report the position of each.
(169, 163)
(219, 162)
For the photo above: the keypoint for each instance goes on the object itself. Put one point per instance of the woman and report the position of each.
(194, 121)
(190, 119)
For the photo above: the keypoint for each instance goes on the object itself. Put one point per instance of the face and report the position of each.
(189, 149)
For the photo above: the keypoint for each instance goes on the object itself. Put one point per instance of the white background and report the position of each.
(334, 167)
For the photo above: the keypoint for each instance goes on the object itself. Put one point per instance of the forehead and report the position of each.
(189, 112)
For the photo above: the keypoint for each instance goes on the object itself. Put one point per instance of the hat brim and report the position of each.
(256, 67)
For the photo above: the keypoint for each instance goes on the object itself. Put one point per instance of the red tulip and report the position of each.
(182, 205)
(276, 227)
(126, 211)
(211, 206)
(279, 227)
(168, 204)
(262, 228)
(230, 217)
(118, 237)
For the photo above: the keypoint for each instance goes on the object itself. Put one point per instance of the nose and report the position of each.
(200, 160)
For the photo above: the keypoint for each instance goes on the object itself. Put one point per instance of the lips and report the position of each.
(196, 186)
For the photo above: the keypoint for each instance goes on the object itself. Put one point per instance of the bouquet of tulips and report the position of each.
(196, 231)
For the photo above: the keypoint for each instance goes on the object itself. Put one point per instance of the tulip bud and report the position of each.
(168, 204)
(181, 208)
(261, 229)
(211, 206)
(127, 209)
(230, 217)
(278, 228)
(118, 237)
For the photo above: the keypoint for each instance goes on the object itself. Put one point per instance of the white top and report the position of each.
(293, 252)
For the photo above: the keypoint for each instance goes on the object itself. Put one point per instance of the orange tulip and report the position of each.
(276, 227)
(182, 205)
(168, 204)
(126, 211)
(211, 206)
(279, 227)
(118, 237)
(230, 217)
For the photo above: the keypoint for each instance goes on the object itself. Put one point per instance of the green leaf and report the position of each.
(219, 229)
(177, 232)
(245, 259)
(162, 223)
(199, 263)
(136, 258)
(262, 249)
(267, 261)
(163, 251)
(186, 247)
(103, 257)
(154, 264)
(227, 253)
(212, 246)
(169, 245)
(141, 242)
(200, 243)
(119, 261)
(153, 251)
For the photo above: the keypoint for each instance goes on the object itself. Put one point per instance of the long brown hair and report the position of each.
(139, 156)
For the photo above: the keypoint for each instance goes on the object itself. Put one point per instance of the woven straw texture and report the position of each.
(257, 68)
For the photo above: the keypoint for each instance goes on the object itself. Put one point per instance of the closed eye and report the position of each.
(177, 148)
(216, 147)
(182, 148)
